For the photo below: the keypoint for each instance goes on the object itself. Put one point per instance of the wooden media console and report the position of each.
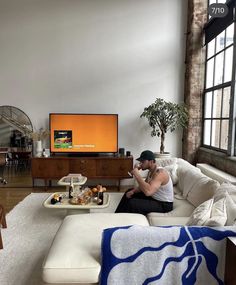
(52, 168)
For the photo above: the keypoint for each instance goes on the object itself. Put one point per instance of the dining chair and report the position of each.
(2, 167)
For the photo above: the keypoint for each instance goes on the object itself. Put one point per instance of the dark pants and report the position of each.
(141, 204)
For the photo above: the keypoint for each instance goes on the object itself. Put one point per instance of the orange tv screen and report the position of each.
(83, 132)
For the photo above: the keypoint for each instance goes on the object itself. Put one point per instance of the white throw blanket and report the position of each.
(138, 255)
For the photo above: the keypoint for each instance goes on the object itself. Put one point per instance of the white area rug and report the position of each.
(29, 234)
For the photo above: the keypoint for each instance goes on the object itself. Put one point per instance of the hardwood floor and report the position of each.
(15, 179)
(10, 197)
(20, 185)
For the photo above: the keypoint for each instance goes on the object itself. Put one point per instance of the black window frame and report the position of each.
(212, 29)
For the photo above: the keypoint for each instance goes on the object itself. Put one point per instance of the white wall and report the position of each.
(94, 56)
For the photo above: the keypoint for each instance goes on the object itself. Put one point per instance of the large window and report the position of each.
(219, 111)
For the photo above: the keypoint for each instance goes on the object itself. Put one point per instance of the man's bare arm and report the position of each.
(150, 188)
(131, 192)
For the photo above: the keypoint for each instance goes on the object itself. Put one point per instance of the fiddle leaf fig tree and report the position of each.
(165, 116)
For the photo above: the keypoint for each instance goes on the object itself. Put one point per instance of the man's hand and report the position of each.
(137, 165)
(136, 168)
(134, 171)
(130, 193)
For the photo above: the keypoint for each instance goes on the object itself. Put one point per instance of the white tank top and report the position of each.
(165, 193)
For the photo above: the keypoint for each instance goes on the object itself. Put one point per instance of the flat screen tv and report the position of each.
(83, 133)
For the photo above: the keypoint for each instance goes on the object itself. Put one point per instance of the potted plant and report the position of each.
(163, 117)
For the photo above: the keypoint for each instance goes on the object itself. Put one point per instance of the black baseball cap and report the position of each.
(146, 155)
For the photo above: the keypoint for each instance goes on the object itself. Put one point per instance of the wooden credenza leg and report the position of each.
(3, 221)
(118, 184)
(1, 245)
(46, 184)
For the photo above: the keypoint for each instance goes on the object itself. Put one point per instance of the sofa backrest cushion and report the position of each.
(193, 185)
(187, 177)
(202, 190)
(184, 163)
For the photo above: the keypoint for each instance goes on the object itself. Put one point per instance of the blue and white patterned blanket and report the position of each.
(136, 255)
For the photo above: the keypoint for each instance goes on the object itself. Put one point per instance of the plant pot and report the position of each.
(162, 155)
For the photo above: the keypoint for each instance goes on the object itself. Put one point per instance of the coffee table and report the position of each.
(72, 208)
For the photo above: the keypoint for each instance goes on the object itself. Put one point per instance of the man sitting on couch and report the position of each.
(155, 194)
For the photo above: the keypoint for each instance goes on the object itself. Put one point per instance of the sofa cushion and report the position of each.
(195, 186)
(181, 208)
(203, 189)
(155, 220)
(201, 214)
(74, 256)
(187, 177)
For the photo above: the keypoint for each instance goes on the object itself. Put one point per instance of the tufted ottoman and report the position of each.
(74, 256)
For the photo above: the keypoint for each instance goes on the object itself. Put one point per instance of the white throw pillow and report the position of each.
(230, 188)
(230, 210)
(229, 191)
(218, 214)
(201, 214)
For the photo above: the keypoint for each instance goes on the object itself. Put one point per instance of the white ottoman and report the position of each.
(74, 256)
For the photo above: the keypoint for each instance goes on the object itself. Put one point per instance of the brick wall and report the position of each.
(194, 77)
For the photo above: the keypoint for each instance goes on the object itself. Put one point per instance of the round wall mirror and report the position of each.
(15, 128)
(15, 146)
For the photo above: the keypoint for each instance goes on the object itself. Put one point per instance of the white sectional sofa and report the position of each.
(75, 254)
(74, 257)
(191, 188)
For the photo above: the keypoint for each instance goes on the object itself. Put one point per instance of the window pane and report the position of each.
(211, 48)
(226, 102)
(208, 105)
(209, 76)
(217, 103)
(220, 41)
(212, 1)
(207, 132)
(215, 139)
(229, 35)
(224, 134)
(219, 69)
(228, 64)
